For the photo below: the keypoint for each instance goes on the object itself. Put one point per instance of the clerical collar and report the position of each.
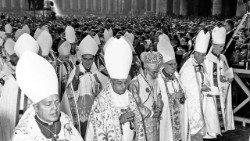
(42, 121)
(167, 75)
(49, 131)
(216, 55)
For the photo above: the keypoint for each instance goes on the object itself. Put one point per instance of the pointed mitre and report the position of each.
(2, 34)
(70, 34)
(219, 35)
(88, 46)
(37, 33)
(129, 42)
(202, 42)
(97, 39)
(9, 46)
(105, 46)
(165, 48)
(8, 28)
(106, 35)
(36, 77)
(18, 33)
(130, 37)
(45, 42)
(26, 43)
(64, 48)
(118, 58)
(110, 32)
(26, 29)
(45, 28)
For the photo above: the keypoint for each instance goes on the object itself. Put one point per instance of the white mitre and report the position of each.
(105, 45)
(8, 28)
(129, 42)
(110, 32)
(88, 46)
(202, 42)
(64, 48)
(70, 34)
(219, 35)
(45, 42)
(130, 37)
(106, 35)
(165, 48)
(26, 43)
(26, 29)
(37, 33)
(118, 58)
(18, 33)
(36, 77)
(9, 46)
(97, 39)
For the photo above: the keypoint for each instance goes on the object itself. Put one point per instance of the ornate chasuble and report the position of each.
(104, 117)
(172, 86)
(63, 74)
(148, 95)
(28, 129)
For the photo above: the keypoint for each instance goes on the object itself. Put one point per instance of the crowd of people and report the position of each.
(144, 78)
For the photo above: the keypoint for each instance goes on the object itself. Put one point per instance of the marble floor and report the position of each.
(240, 134)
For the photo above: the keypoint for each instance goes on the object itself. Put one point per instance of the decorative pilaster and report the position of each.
(217, 7)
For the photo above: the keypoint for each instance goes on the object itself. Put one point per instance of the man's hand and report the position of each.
(230, 80)
(205, 88)
(179, 95)
(223, 79)
(158, 109)
(77, 71)
(127, 117)
(97, 89)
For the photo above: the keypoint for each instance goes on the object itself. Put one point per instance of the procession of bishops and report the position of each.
(115, 79)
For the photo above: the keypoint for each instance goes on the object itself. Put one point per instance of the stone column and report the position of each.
(157, 7)
(183, 7)
(87, 5)
(94, 5)
(63, 4)
(152, 5)
(12, 3)
(115, 6)
(3, 3)
(101, 6)
(118, 6)
(79, 4)
(146, 5)
(217, 7)
(109, 6)
(176, 7)
(71, 4)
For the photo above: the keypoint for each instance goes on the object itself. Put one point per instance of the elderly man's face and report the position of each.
(217, 48)
(199, 57)
(152, 70)
(87, 61)
(119, 85)
(170, 66)
(227, 27)
(48, 109)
